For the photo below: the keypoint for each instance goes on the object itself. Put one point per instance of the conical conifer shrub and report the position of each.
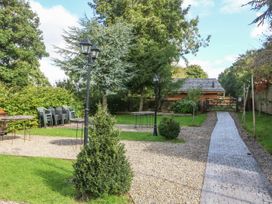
(102, 168)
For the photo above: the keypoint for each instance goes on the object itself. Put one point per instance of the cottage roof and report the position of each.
(208, 85)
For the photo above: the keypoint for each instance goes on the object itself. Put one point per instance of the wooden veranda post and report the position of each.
(245, 95)
(244, 108)
(253, 104)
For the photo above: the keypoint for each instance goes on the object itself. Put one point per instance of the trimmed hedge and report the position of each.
(25, 101)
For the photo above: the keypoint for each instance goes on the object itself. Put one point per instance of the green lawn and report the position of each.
(263, 129)
(142, 136)
(69, 132)
(41, 180)
(183, 120)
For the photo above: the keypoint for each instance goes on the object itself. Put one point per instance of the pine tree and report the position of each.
(21, 45)
(101, 167)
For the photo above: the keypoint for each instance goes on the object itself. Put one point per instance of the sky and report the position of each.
(226, 21)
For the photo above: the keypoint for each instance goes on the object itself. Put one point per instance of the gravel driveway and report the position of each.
(163, 172)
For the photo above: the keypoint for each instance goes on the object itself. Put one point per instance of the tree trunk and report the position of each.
(193, 113)
(260, 108)
(104, 101)
(141, 104)
(244, 103)
(253, 105)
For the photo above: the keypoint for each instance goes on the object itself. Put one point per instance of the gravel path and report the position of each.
(232, 174)
(163, 172)
(171, 173)
(121, 127)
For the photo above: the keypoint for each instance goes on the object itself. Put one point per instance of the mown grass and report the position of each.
(142, 136)
(263, 128)
(70, 132)
(183, 120)
(42, 180)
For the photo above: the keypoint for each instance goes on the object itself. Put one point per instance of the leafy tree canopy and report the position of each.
(21, 45)
(109, 73)
(195, 71)
(192, 71)
(162, 34)
(256, 62)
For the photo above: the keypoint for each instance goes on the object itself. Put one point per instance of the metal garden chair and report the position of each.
(45, 117)
(64, 115)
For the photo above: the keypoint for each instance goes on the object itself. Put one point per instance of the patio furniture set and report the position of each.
(55, 115)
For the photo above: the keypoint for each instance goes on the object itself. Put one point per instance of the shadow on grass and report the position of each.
(60, 182)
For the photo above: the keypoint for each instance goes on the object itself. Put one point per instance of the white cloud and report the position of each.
(199, 2)
(213, 67)
(52, 72)
(233, 6)
(259, 31)
(53, 21)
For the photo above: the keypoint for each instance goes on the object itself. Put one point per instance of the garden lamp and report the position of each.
(85, 46)
(156, 78)
(1, 4)
(91, 51)
(94, 52)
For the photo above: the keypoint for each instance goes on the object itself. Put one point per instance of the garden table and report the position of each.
(141, 116)
(9, 119)
(78, 121)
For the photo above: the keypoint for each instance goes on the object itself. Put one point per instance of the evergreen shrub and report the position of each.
(102, 168)
(169, 128)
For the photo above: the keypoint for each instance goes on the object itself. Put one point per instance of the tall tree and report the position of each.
(110, 71)
(195, 71)
(192, 71)
(179, 72)
(21, 45)
(233, 78)
(163, 34)
(249, 69)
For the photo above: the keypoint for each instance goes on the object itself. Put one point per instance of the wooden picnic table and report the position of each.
(16, 118)
(7, 119)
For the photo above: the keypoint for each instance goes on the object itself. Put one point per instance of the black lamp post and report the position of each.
(1, 4)
(91, 51)
(156, 80)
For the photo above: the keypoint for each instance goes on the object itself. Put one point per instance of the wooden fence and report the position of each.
(224, 103)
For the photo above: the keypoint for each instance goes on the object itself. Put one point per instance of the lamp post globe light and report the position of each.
(91, 51)
(156, 80)
(1, 4)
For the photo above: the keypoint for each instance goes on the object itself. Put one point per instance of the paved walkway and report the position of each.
(232, 174)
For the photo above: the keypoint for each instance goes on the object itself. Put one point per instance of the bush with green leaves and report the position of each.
(169, 128)
(182, 106)
(102, 168)
(26, 100)
(190, 104)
